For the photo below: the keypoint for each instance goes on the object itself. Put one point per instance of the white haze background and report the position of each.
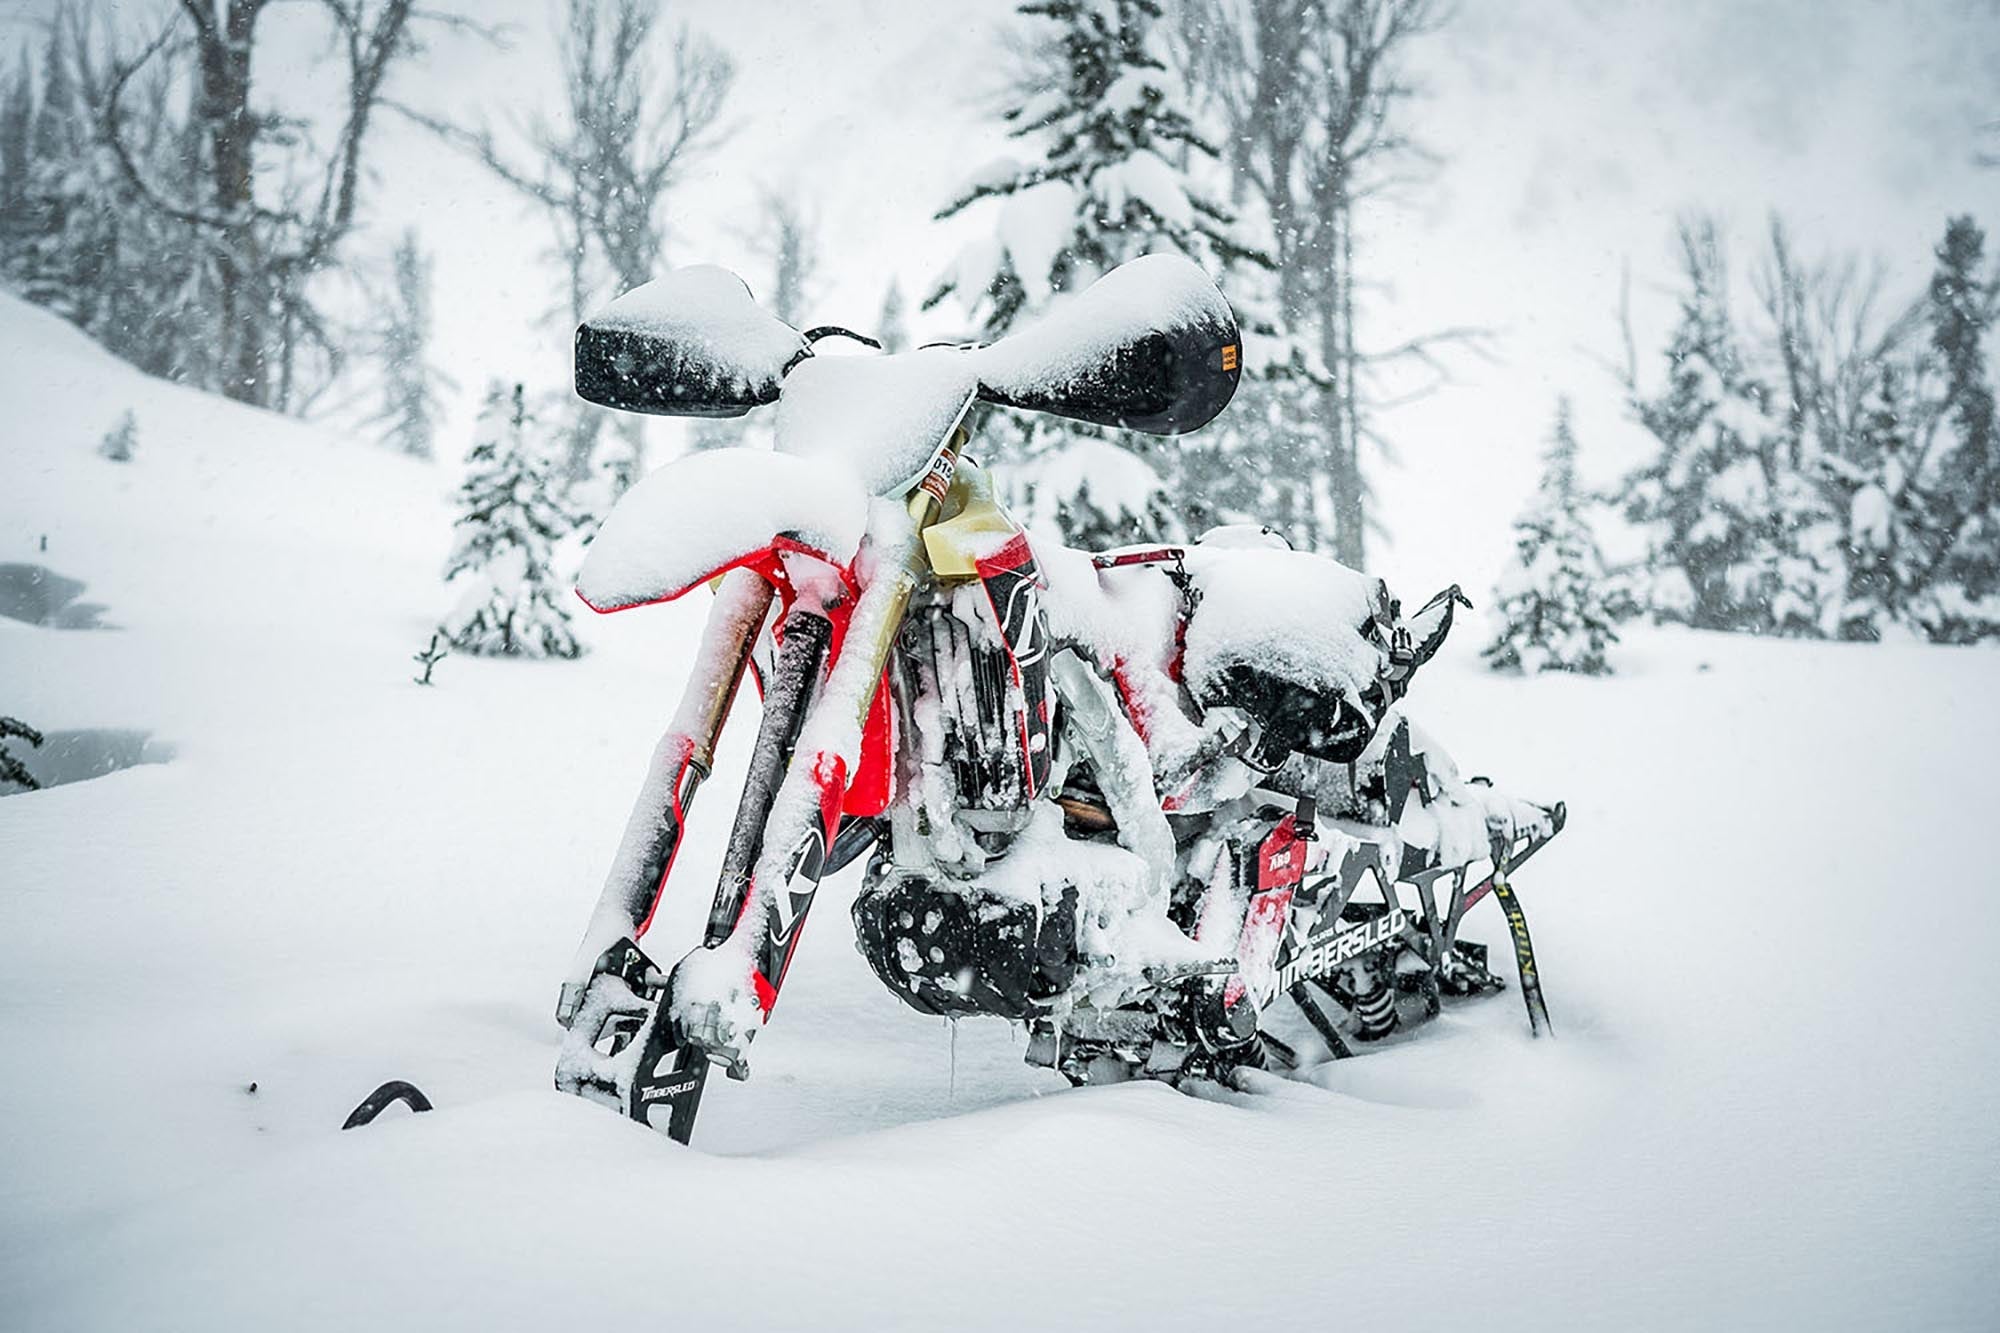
(1571, 136)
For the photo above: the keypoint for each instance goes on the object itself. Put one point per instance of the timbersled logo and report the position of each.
(1322, 955)
(665, 1091)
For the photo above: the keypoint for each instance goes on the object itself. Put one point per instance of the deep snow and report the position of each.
(1765, 936)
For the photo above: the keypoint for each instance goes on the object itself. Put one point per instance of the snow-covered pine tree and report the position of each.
(121, 440)
(1559, 609)
(509, 521)
(17, 122)
(1876, 484)
(409, 409)
(46, 266)
(1709, 501)
(12, 770)
(1965, 593)
(1110, 175)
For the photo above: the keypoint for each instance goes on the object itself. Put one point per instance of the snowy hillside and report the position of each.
(1766, 937)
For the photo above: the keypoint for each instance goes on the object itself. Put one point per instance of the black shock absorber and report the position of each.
(1374, 1005)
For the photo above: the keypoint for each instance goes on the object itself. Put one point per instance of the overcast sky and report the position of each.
(1571, 133)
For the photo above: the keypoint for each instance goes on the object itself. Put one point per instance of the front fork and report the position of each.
(658, 1063)
(799, 836)
(681, 762)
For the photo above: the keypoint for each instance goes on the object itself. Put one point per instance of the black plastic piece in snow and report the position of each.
(378, 1101)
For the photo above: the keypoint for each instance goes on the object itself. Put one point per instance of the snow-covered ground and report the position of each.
(1773, 1101)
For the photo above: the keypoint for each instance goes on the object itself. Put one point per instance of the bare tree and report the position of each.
(604, 168)
(790, 237)
(1311, 95)
(1833, 343)
(263, 250)
(400, 344)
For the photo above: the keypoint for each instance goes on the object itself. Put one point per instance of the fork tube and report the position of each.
(683, 758)
(801, 654)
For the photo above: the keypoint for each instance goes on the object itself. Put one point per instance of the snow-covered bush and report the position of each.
(508, 602)
(1827, 478)
(1558, 608)
(120, 441)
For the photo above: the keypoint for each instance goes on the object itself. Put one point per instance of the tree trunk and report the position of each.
(1350, 518)
(230, 132)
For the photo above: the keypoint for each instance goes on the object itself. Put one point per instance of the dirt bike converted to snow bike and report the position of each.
(1136, 801)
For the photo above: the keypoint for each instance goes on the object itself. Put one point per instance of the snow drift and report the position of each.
(1765, 935)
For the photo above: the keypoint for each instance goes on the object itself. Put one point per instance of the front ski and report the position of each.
(1524, 956)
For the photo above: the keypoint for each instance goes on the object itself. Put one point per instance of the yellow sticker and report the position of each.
(1229, 357)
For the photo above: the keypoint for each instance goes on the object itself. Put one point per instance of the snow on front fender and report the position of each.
(705, 513)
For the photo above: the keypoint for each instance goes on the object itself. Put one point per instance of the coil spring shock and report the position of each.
(1374, 1006)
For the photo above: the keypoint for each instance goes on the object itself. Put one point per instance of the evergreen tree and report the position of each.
(509, 521)
(17, 119)
(12, 770)
(1712, 503)
(1559, 609)
(790, 239)
(1961, 309)
(1864, 501)
(409, 408)
(1111, 176)
(75, 235)
(45, 266)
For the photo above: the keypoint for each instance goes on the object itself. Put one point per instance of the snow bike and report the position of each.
(1136, 801)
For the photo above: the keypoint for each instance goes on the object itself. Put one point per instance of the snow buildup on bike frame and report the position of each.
(697, 514)
(882, 418)
(1122, 924)
(1454, 817)
(1297, 615)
